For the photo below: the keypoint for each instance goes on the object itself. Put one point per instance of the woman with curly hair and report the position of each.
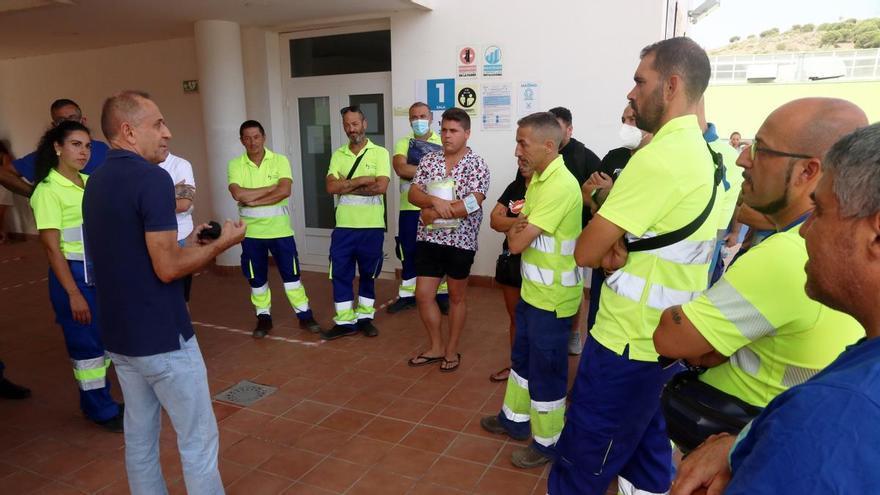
(57, 203)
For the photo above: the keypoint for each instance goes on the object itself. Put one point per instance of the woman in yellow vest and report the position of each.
(57, 203)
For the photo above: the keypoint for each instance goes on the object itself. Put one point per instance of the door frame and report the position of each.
(313, 243)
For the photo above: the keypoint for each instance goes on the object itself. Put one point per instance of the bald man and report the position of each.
(756, 329)
(130, 228)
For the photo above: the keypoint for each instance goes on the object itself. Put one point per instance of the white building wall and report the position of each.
(29, 85)
(583, 54)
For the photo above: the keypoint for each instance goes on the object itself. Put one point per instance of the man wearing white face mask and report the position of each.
(407, 152)
(599, 185)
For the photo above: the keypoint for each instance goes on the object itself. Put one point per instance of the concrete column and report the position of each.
(221, 85)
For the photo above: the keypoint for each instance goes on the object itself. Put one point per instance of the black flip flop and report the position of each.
(452, 368)
(427, 360)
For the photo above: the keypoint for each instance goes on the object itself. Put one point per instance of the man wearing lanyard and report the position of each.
(756, 329)
(260, 181)
(408, 223)
(358, 177)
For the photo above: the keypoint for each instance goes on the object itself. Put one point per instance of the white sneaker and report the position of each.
(574, 344)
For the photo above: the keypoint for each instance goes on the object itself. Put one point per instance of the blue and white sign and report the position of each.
(441, 93)
(492, 61)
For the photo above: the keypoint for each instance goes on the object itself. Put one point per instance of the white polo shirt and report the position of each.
(180, 170)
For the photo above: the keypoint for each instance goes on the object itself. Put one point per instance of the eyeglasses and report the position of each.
(754, 149)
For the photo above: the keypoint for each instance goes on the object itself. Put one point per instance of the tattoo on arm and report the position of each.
(676, 316)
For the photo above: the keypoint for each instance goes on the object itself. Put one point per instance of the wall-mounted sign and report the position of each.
(441, 93)
(466, 62)
(191, 86)
(492, 62)
(466, 98)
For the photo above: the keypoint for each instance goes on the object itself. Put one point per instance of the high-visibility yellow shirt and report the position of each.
(402, 148)
(57, 204)
(665, 186)
(551, 279)
(263, 222)
(759, 315)
(354, 211)
(734, 178)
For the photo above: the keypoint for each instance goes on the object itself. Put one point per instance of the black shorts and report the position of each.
(437, 260)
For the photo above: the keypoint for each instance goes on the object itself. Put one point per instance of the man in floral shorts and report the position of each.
(449, 187)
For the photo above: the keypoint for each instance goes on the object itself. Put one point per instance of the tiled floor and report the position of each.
(349, 417)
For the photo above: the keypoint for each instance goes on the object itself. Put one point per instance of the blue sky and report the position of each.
(744, 17)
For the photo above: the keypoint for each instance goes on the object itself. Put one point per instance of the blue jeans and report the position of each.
(178, 382)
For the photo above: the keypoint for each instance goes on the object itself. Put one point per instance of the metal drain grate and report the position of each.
(245, 393)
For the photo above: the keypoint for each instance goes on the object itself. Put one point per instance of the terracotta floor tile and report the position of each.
(474, 449)
(246, 421)
(119, 487)
(466, 399)
(6, 469)
(347, 421)
(304, 489)
(276, 404)
(386, 429)
(55, 488)
(447, 417)
(384, 482)
(370, 402)
(456, 473)
(228, 438)
(302, 386)
(283, 431)
(309, 411)
(362, 450)
(23, 482)
(251, 452)
(432, 392)
(408, 462)
(502, 482)
(63, 463)
(334, 474)
(231, 472)
(429, 439)
(335, 394)
(96, 475)
(259, 483)
(428, 488)
(291, 463)
(408, 409)
(322, 440)
(223, 410)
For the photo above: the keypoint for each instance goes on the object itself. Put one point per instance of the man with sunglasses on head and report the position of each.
(756, 329)
(357, 178)
(60, 110)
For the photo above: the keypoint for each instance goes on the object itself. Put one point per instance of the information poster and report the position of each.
(497, 106)
(493, 63)
(528, 98)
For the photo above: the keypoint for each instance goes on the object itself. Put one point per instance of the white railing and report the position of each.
(799, 66)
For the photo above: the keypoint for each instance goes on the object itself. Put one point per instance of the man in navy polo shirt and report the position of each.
(131, 234)
(61, 110)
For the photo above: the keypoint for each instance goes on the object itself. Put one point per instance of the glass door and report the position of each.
(316, 132)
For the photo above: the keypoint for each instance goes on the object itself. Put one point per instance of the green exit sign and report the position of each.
(191, 86)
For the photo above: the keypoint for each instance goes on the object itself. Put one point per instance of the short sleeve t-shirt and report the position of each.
(360, 212)
(26, 165)
(817, 438)
(180, 170)
(634, 296)
(274, 167)
(513, 198)
(759, 315)
(126, 198)
(471, 175)
(402, 148)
